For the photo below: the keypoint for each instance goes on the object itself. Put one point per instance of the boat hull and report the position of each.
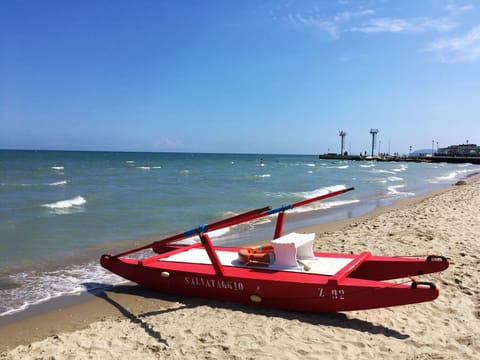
(271, 288)
(388, 267)
(294, 278)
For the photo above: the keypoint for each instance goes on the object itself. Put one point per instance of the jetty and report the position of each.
(404, 158)
(460, 154)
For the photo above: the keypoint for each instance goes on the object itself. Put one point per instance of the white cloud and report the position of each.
(464, 48)
(364, 21)
(332, 26)
(324, 25)
(412, 25)
(350, 15)
(380, 25)
(455, 9)
(438, 25)
(448, 49)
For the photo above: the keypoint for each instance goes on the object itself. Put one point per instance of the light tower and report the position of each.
(374, 133)
(342, 135)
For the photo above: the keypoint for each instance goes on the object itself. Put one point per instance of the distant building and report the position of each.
(460, 150)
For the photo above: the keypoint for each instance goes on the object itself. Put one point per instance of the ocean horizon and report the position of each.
(61, 210)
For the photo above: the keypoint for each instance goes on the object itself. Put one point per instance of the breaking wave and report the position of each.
(58, 183)
(395, 190)
(67, 206)
(148, 167)
(33, 289)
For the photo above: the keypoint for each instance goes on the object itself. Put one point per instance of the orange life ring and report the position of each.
(257, 255)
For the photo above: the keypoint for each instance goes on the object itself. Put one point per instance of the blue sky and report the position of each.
(238, 76)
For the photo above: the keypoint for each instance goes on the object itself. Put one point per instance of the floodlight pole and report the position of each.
(374, 133)
(342, 135)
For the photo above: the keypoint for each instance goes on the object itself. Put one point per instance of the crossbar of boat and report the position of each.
(202, 230)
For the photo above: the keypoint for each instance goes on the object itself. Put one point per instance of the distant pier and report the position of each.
(422, 158)
(457, 154)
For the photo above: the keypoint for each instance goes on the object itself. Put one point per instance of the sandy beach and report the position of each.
(133, 322)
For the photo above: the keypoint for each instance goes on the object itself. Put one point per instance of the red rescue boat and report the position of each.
(285, 274)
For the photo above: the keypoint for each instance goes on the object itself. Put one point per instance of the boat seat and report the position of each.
(291, 247)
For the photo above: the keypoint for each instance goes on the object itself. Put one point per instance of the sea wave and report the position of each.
(13, 185)
(401, 168)
(58, 183)
(34, 288)
(219, 232)
(379, 171)
(323, 205)
(312, 194)
(305, 194)
(338, 167)
(148, 167)
(395, 191)
(67, 206)
(320, 191)
(453, 175)
(57, 167)
(394, 178)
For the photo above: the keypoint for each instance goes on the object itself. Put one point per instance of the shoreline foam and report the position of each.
(131, 319)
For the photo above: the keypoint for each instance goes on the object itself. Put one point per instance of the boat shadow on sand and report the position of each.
(167, 304)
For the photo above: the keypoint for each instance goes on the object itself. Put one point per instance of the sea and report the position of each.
(61, 210)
